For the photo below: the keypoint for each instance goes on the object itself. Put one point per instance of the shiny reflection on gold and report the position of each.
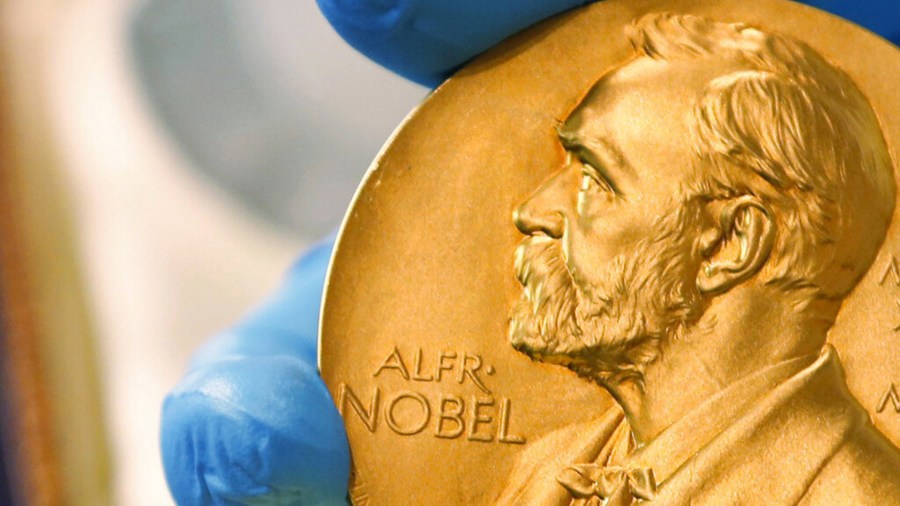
(654, 256)
(703, 235)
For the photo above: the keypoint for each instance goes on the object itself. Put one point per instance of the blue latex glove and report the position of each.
(251, 422)
(252, 419)
(426, 40)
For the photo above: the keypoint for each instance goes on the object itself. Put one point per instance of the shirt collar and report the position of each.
(675, 445)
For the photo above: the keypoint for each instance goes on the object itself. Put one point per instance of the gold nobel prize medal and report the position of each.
(645, 252)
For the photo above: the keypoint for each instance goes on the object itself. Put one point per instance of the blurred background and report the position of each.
(162, 162)
(169, 159)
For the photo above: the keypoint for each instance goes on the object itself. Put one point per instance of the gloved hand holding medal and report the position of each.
(640, 252)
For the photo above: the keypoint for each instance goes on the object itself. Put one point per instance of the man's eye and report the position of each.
(586, 182)
(590, 177)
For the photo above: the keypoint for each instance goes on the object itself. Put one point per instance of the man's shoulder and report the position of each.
(864, 470)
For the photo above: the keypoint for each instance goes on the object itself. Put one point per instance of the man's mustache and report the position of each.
(549, 297)
(531, 249)
(541, 268)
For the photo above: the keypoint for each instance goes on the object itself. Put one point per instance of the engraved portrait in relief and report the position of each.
(723, 191)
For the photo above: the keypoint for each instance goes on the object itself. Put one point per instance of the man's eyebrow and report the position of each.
(611, 154)
(609, 160)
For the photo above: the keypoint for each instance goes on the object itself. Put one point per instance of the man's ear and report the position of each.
(739, 247)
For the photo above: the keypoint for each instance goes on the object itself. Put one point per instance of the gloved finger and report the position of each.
(425, 40)
(254, 429)
(286, 323)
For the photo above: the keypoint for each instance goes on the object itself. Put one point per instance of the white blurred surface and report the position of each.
(267, 102)
(170, 255)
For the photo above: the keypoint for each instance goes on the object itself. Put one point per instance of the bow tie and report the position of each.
(585, 481)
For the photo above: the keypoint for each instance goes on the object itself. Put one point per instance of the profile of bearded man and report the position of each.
(723, 192)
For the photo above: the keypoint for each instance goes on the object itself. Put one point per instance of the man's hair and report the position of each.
(793, 130)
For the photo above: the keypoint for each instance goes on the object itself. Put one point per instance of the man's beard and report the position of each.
(613, 330)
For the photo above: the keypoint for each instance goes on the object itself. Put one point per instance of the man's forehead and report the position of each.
(638, 84)
(641, 112)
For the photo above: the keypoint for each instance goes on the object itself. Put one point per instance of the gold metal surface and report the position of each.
(641, 253)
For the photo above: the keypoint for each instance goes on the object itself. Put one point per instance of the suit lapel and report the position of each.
(774, 451)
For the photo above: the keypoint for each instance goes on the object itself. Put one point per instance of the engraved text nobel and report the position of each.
(481, 417)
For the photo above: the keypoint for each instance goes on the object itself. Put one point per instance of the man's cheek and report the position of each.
(584, 260)
(588, 250)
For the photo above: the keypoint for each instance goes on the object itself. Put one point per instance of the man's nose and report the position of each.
(544, 210)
